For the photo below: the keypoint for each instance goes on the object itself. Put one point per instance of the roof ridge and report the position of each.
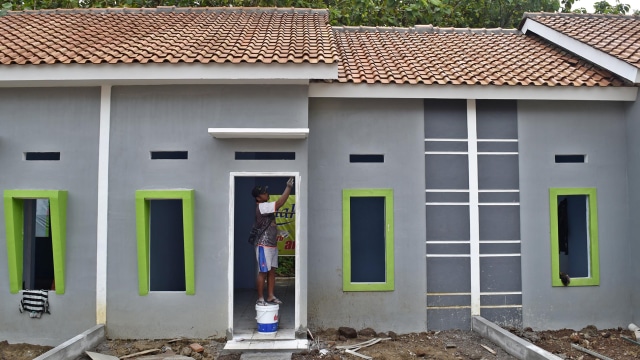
(174, 9)
(533, 15)
(427, 29)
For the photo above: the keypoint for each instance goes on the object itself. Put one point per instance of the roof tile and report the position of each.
(166, 34)
(431, 55)
(618, 35)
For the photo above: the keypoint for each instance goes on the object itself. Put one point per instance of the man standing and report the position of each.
(267, 244)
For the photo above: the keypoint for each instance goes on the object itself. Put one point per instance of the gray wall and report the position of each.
(596, 129)
(177, 118)
(338, 128)
(633, 156)
(64, 120)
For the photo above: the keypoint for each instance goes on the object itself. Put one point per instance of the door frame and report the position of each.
(231, 232)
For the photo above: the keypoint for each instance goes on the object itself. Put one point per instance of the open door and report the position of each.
(242, 259)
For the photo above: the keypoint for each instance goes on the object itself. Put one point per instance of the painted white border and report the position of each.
(165, 73)
(103, 205)
(504, 92)
(299, 201)
(474, 209)
(600, 58)
(259, 133)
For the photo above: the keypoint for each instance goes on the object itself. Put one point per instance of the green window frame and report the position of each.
(143, 198)
(594, 269)
(347, 284)
(14, 224)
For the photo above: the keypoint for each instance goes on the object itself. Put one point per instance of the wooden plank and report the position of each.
(489, 349)
(140, 353)
(592, 353)
(359, 355)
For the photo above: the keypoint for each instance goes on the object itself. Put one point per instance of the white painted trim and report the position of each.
(446, 152)
(500, 306)
(103, 205)
(489, 293)
(259, 133)
(446, 190)
(448, 242)
(499, 255)
(298, 260)
(588, 52)
(504, 92)
(499, 190)
(499, 204)
(500, 241)
(474, 209)
(447, 255)
(498, 153)
(497, 140)
(453, 140)
(165, 73)
(445, 203)
(448, 307)
(448, 294)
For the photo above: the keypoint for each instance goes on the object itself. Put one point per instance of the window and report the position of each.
(169, 155)
(36, 232)
(366, 158)
(164, 226)
(574, 236)
(367, 240)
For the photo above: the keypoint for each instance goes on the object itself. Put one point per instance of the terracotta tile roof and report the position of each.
(431, 55)
(617, 35)
(167, 34)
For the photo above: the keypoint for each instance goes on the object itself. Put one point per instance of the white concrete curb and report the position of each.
(510, 343)
(77, 345)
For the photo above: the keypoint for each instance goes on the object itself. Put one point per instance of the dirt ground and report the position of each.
(441, 345)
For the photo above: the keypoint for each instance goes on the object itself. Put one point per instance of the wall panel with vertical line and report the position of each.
(498, 181)
(447, 215)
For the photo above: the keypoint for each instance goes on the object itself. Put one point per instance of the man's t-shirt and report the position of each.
(265, 213)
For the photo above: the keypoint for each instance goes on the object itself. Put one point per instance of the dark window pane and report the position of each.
(569, 158)
(166, 263)
(573, 235)
(169, 155)
(42, 156)
(366, 158)
(368, 239)
(265, 155)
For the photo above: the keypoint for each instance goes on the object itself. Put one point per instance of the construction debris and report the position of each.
(140, 353)
(489, 349)
(629, 340)
(592, 353)
(352, 349)
(98, 356)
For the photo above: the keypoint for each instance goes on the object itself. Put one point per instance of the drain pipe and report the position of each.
(636, 330)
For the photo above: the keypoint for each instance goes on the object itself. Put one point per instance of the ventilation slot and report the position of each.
(560, 159)
(169, 155)
(42, 155)
(265, 155)
(366, 158)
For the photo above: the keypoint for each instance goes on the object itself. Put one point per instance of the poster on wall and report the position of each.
(286, 221)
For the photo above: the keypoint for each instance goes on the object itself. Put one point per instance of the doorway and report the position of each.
(242, 260)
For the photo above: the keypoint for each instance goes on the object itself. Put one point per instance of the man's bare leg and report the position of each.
(260, 284)
(271, 283)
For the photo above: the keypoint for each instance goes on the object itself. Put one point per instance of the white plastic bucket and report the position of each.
(267, 317)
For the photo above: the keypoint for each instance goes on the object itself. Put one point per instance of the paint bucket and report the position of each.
(267, 317)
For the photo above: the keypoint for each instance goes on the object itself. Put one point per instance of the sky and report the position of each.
(588, 4)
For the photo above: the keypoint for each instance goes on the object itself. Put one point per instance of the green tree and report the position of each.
(603, 7)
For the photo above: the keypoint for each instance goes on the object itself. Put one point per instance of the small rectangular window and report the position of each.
(574, 236)
(169, 155)
(166, 248)
(570, 159)
(37, 270)
(263, 155)
(164, 226)
(366, 158)
(368, 260)
(42, 155)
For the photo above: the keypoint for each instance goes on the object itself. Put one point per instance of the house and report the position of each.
(440, 173)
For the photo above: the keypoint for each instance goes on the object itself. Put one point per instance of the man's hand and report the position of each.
(290, 182)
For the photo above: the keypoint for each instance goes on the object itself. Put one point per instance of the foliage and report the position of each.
(286, 266)
(403, 13)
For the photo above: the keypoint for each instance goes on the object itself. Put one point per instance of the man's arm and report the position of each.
(285, 195)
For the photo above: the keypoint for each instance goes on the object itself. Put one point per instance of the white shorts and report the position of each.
(267, 258)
